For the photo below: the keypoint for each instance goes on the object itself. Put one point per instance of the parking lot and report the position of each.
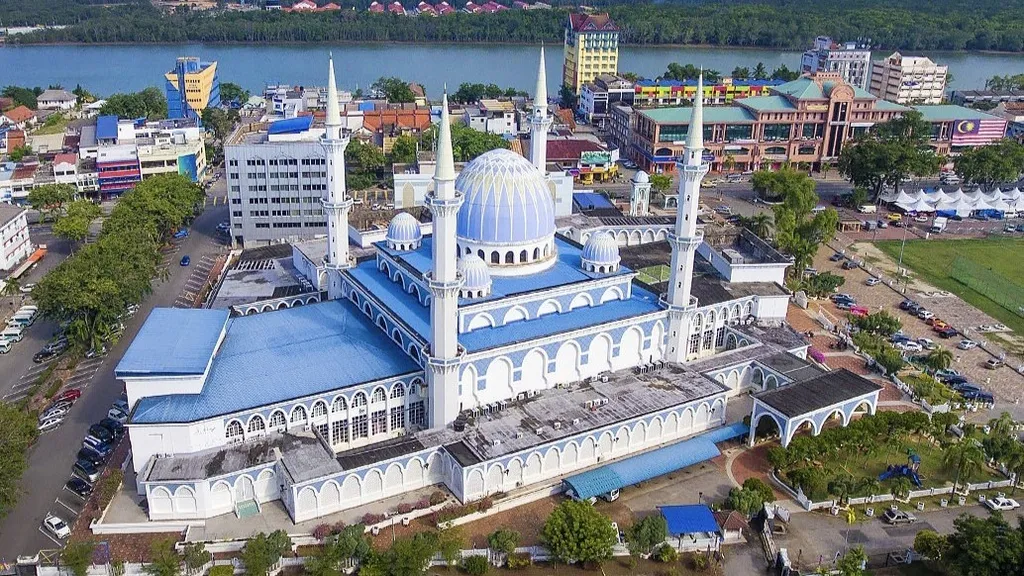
(197, 280)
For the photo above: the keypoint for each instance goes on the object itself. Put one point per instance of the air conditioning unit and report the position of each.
(495, 442)
(557, 425)
(306, 427)
(575, 421)
(589, 404)
(519, 435)
(604, 378)
(538, 431)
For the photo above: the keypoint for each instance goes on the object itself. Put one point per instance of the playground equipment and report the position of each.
(910, 469)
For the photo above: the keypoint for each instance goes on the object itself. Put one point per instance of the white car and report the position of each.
(908, 346)
(54, 525)
(27, 288)
(1001, 503)
(967, 344)
(872, 281)
(927, 343)
(50, 423)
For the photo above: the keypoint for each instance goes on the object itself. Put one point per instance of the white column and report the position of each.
(336, 202)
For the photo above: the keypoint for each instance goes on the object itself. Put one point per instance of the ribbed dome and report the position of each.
(507, 200)
(404, 232)
(641, 177)
(476, 276)
(601, 253)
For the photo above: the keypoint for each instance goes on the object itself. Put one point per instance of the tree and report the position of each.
(740, 72)
(233, 94)
(577, 532)
(221, 122)
(821, 285)
(366, 156)
(405, 557)
(890, 152)
(964, 457)
(19, 153)
(760, 224)
(504, 540)
(858, 197)
(690, 72)
(74, 224)
(22, 96)
(350, 543)
(660, 183)
(150, 103)
(785, 74)
(939, 359)
(984, 547)
(403, 151)
(78, 556)
(930, 544)
(751, 497)
(882, 323)
(773, 186)
(760, 73)
(163, 560)
(19, 433)
(476, 565)
(566, 97)
(890, 359)
(901, 487)
(393, 89)
(798, 231)
(467, 143)
(195, 557)
(1003, 425)
(646, 534)
(986, 166)
(852, 563)
(729, 162)
(263, 551)
(49, 199)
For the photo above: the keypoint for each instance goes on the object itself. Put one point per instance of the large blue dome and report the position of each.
(507, 201)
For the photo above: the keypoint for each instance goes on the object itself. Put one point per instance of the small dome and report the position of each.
(601, 253)
(476, 276)
(404, 232)
(641, 177)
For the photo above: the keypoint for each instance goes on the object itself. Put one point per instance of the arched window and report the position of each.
(398, 391)
(480, 253)
(256, 425)
(359, 400)
(234, 430)
(495, 259)
(523, 256)
(339, 405)
(277, 421)
(378, 395)
(509, 257)
(320, 410)
(298, 415)
(536, 253)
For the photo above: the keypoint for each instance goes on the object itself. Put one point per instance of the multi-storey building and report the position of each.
(14, 240)
(597, 98)
(171, 146)
(591, 48)
(908, 79)
(276, 176)
(659, 93)
(851, 61)
(492, 116)
(955, 128)
(68, 169)
(191, 87)
(804, 121)
(985, 97)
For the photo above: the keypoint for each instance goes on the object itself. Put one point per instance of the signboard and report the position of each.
(595, 158)
(708, 156)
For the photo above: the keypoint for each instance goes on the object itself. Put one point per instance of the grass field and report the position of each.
(653, 274)
(932, 261)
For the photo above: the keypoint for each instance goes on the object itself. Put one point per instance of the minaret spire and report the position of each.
(540, 94)
(685, 238)
(444, 282)
(333, 122)
(336, 201)
(540, 122)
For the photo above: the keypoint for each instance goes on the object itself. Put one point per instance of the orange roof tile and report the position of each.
(19, 114)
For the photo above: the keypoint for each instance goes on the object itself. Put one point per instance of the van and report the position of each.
(5, 346)
(13, 334)
(867, 209)
(20, 322)
(27, 315)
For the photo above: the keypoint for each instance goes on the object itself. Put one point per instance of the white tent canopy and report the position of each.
(1012, 194)
(904, 198)
(936, 197)
(981, 204)
(961, 207)
(918, 206)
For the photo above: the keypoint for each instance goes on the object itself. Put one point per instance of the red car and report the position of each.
(71, 395)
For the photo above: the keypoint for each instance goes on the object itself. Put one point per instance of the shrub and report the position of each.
(371, 518)
(451, 512)
(475, 565)
(222, 570)
(485, 504)
(404, 508)
(421, 504)
(338, 528)
(504, 540)
(700, 562)
(667, 554)
(321, 531)
(518, 561)
(437, 497)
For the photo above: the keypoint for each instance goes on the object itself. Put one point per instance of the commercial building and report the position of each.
(598, 97)
(804, 121)
(56, 100)
(492, 116)
(661, 93)
(1013, 113)
(191, 87)
(955, 128)
(276, 179)
(126, 152)
(15, 244)
(851, 61)
(985, 97)
(82, 174)
(591, 48)
(908, 79)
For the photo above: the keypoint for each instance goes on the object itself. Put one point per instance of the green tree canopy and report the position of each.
(690, 72)
(660, 183)
(989, 165)
(467, 143)
(233, 93)
(405, 557)
(78, 556)
(22, 96)
(798, 230)
(263, 551)
(403, 151)
(74, 224)
(149, 103)
(393, 89)
(984, 547)
(577, 532)
(889, 152)
(19, 153)
(646, 534)
(163, 560)
(49, 199)
(504, 540)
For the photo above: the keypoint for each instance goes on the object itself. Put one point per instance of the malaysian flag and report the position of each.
(974, 132)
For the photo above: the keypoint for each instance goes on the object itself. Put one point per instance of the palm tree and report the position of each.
(1015, 465)
(760, 224)
(851, 517)
(901, 487)
(965, 457)
(939, 359)
(1003, 425)
(12, 288)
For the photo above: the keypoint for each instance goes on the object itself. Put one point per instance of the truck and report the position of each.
(939, 224)
(867, 209)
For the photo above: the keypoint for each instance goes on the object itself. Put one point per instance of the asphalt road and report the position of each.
(52, 457)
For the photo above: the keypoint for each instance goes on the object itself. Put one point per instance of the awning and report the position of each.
(689, 519)
(643, 467)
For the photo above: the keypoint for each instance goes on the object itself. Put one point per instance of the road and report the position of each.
(52, 457)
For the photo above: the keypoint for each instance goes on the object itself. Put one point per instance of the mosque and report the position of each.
(491, 355)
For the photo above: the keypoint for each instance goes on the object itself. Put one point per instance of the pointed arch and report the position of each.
(605, 444)
(533, 371)
(474, 484)
(480, 320)
(552, 460)
(599, 355)
(570, 455)
(330, 497)
(567, 362)
(533, 466)
(495, 478)
(656, 429)
(394, 478)
(639, 435)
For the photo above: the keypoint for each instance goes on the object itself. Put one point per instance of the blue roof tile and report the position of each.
(173, 341)
(689, 519)
(276, 356)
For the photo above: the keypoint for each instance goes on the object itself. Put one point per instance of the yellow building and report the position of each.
(591, 49)
(192, 86)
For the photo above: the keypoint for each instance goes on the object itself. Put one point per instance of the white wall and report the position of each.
(771, 308)
(150, 440)
(139, 388)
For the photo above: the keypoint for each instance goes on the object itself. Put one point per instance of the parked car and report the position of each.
(50, 423)
(920, 218)
(121, 404)
(183, 233)
(723, 209)
(58, 410)
(927, 343)
(925, 314)
(27, 288)
(54, 525)
(849, 265)
(101, 432)
(844, 305)
(96, 444)
(946, 373)
(978, 396)
(117, 414)
(948, 332)
(938, 324)
(908, 346)
(115, 427)
(836, 257)
(873, 281)
(906, 304)
(185, 260)
(79, 487)
(71, 395)
(101, 449)
(896, 517)
(1002, 503)
(86, 471)
(993, 363)
(90, 455)
(45, 356)
(967, 344)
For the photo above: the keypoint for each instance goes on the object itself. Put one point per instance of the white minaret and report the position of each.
(337, 203)
(444, 282)
(540, 122)
(686, 238)
(640, 197)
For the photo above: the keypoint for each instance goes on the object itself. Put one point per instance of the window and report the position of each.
(708, 337)
(319, 410)
(298, 415)
(359, 400)
(339, 432)
(234, 430)
(379, 419)
(321, 429)
(339, 405)
(776, 132)
(277, 421)
(397, 417)
(359, 427)
(398, 391)
(694, 343)
(720, 337)
(378, 395)
(256, 425)
(417, 414)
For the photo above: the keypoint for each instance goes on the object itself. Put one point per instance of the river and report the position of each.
(104, 69)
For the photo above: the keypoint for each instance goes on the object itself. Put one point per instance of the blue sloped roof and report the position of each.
(106, 127)
(590, 201)
(734, 430)
(689, 519)
(173, 341)
(290, 125)
(642, 467)
(275, 356)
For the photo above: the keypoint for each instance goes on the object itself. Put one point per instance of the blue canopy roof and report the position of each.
(291, 125)
(590, 201)
(106, 127)
(734, 430)
(689, 519)
(641, 467)
(173, 342)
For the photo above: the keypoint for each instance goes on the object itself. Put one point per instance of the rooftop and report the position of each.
(173, 341)
(949, 112)
(793, 367)
(9, 212)
(56, 96)
(315, 349)
(19, 114)
(822, 391)
(712, 114)
(592, 22)
(689, 519)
